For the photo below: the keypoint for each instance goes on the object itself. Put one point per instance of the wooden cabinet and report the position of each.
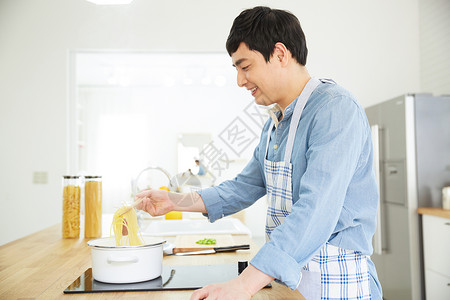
(436, 241)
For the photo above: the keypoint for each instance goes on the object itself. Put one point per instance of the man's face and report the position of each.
(257, 75)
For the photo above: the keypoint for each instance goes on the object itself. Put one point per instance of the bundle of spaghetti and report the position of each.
(93, 209)
(71, 211)
(129, 220)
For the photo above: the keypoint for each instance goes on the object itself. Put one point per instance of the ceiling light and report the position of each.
(110, 2)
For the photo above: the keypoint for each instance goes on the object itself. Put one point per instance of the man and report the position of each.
(314, 161)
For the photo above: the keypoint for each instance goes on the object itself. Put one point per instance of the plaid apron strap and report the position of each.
(279, 174)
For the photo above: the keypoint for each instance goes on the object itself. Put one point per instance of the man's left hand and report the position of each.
(232, 290)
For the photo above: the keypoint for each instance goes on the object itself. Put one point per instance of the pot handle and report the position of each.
(122, 259)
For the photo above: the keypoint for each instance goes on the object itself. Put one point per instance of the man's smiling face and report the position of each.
(256, 75)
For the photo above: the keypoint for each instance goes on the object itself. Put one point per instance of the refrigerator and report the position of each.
(411, 139)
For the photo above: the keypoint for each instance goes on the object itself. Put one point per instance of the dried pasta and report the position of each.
(71, 211)
(93, 209)
(129, 220)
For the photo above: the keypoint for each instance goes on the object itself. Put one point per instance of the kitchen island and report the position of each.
(42, 265)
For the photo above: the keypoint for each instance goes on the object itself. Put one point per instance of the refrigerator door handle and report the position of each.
(377, 238)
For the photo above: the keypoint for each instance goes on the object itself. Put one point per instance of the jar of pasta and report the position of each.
(92, 206)
(71, 207)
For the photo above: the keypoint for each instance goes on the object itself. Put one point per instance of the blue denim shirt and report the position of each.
(334, 189)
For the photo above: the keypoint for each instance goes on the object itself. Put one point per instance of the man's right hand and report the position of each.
(156, 202)
(160, 202)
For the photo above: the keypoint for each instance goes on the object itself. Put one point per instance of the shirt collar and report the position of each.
(275, 112)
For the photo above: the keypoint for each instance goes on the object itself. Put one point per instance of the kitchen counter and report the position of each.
(42, 265)
(436, 247)
(434, 211)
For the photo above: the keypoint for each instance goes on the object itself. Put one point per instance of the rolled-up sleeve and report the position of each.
(334, 143)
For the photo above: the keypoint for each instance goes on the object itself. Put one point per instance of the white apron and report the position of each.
(334, 273)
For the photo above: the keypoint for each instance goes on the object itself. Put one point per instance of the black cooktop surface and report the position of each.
(172, 278)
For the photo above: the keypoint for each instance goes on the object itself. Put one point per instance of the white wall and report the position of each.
(370, 47)
(434, 33)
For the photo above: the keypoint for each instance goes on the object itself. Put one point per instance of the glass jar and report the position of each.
(71, 207)
(93, 206)
(446, 198)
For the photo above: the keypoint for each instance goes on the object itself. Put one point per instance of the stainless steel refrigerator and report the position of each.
(411, 137)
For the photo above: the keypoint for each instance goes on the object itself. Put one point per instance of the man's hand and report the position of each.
(156, 202)
(159, 202)
(234, 289)
(242, 287)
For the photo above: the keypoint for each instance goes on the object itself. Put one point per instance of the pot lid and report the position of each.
(110, 243)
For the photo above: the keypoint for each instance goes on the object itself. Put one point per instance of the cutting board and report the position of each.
(189, 241)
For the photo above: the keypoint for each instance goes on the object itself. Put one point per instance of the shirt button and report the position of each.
(275, 147)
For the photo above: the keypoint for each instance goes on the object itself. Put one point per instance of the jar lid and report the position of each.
(95, 176)
(71, 176)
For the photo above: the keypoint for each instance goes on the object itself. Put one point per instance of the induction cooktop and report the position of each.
(172, 278)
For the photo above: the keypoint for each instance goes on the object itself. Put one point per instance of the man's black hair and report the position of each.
(260, 28)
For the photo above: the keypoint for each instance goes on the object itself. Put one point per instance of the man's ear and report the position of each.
(280, 53)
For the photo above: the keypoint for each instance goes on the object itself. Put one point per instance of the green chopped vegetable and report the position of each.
(206, 241)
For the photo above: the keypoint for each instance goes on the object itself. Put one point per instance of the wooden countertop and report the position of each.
(42, 265)
(434, 211)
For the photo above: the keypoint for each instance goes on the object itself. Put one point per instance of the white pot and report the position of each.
(126, 264)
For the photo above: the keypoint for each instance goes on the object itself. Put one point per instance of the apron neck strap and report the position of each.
(298, 110)
(301, 102)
